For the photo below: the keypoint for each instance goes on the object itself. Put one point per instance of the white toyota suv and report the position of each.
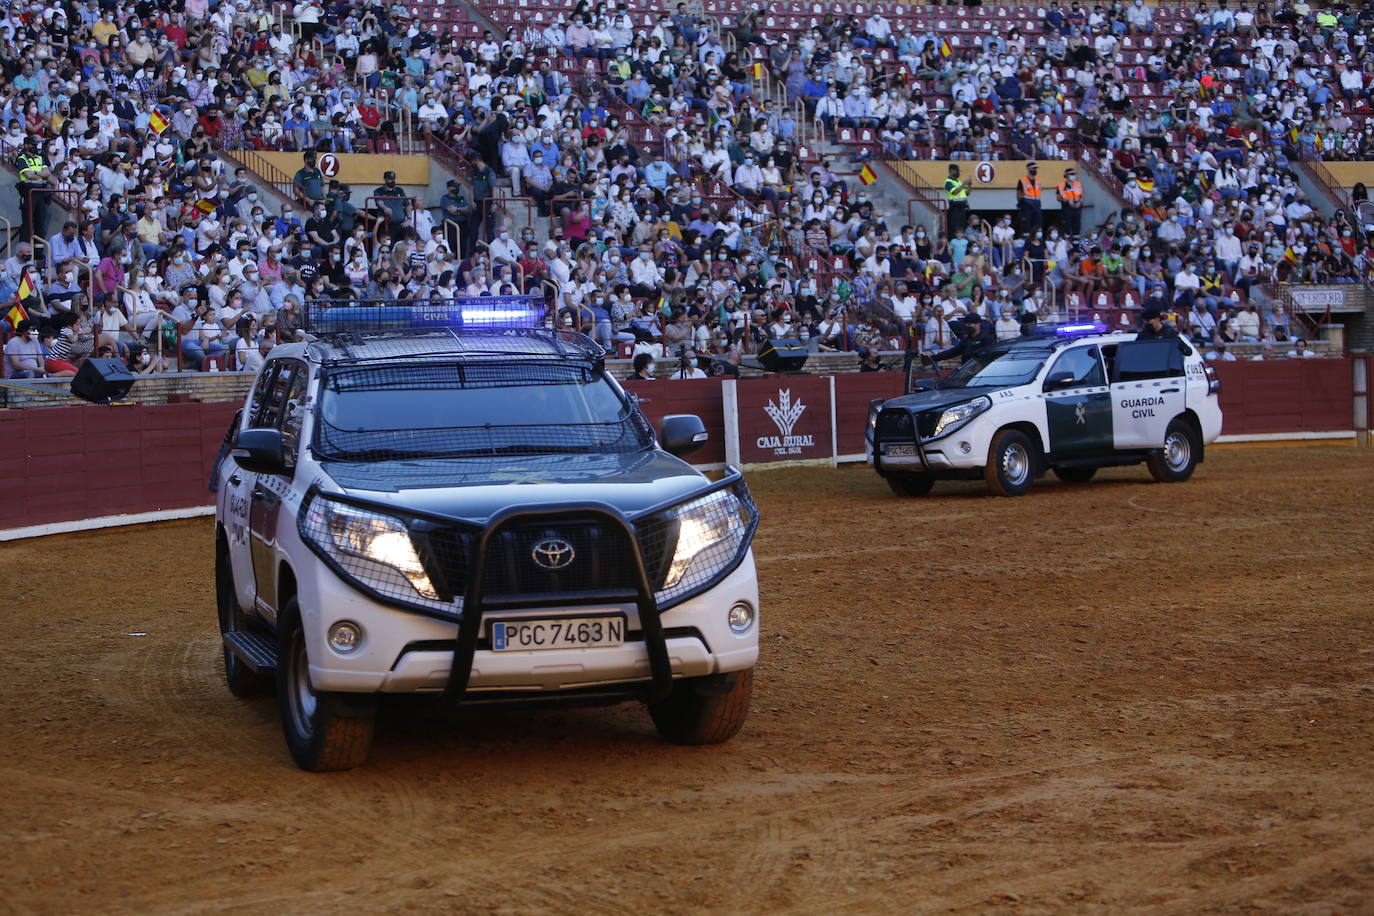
(482, 514)
(1070, 401)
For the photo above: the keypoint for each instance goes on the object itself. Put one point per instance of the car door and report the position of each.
(1079, 416)
(236, 491)
(278, 410)
(1147, 391)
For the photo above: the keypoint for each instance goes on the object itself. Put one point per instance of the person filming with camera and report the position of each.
(687, 365)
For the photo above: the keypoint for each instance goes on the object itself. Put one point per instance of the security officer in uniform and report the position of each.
(457, 212)
(1070, 192)
(1028, 199)
(1154, 328)
(34, 173)
(956, 199)
(975, 333)
(396, 203)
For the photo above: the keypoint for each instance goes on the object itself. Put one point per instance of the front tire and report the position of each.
(1176, 461)
(324, 731)
(1010, 470)
(910, 484)
(693, 713)
(1075, 474)
(243, 681)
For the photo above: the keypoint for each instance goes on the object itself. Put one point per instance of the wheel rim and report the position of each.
(1015, 464)
(300, 693)
(1178, 451)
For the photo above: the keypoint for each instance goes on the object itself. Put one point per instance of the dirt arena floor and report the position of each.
(1119, 695)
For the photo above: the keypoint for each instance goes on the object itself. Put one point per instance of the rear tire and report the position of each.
(1075, 475)
(324, 731)
(1012, 458)
(243, 681)
(689, 717)
(910, 484)
(1176, 461)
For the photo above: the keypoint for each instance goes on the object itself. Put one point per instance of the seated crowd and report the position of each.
(684, 207)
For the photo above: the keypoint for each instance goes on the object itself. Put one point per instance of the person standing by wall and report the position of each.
(1028, 204)
(1070, 192)
(956, 201)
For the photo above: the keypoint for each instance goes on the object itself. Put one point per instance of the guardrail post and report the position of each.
(1359, 368)
(834, 427)
(729, 402)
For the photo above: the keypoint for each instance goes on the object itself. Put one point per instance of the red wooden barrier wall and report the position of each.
(67, 463)
(661, 397)
(1289, 395)
(72, 463)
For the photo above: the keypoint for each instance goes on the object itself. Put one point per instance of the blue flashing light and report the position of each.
(1073, 330)
(426, 314)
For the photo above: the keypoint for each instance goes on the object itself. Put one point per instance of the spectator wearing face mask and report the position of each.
(646, 278)
(24, 357)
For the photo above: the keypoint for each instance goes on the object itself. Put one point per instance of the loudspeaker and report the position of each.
(783, 356)
(102, 381)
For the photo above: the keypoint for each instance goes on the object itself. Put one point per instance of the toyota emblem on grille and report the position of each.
(553, 553)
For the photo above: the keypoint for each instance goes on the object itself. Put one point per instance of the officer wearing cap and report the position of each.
(457, 211)
(34, 173)
(1028, 192)
(394, 202)
(1154, 328)
(308, 182)
(974, 334)
(956, 200)
(1070, 192)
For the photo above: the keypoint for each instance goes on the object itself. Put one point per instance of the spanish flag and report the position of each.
(867, 175)
(1146, 184)
(1290, 256)
(946, 50)
(758, 70)
(25, 287)
(205, 205)
(15, 315)
(157, 122)
(1293, 135)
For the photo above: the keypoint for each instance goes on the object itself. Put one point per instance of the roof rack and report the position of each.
(462, 343)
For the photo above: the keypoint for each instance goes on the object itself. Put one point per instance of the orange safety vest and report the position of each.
(1030, 187)
(1069, 190)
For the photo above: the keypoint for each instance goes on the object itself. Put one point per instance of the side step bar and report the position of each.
(253, 649)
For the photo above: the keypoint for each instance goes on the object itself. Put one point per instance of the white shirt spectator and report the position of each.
(644, 272)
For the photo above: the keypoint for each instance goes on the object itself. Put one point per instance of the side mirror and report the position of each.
(260, 451)
(923, 384)
(1059, 380)
(681, 434)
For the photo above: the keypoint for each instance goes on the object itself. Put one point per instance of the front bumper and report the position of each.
(402, 652)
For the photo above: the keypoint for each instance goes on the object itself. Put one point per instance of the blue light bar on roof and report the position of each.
(372, 316)
(1073, 330)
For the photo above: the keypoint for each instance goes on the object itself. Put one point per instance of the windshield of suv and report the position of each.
(372, 413)
(998, 369)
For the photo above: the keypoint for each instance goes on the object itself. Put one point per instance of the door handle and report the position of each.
(234, 480)
(259, 496)
(1170, 390)
(1100, 397)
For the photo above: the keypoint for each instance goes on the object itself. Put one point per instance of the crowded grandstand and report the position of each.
(704, 178)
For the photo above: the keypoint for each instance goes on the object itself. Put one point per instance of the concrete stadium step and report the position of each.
(253, 649)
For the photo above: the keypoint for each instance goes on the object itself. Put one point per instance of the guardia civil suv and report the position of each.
(1069, 401)
(483, 514)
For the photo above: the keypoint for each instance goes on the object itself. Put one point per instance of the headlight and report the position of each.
(691, 544)
(370, 546)
(711, 524)
(954, 417)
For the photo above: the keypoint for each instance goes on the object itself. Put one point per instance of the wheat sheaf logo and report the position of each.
(784, 413)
